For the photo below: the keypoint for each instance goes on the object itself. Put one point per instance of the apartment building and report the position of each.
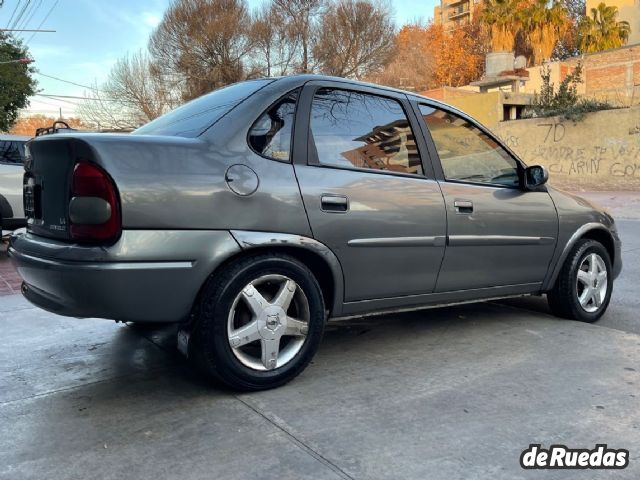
(452, 13)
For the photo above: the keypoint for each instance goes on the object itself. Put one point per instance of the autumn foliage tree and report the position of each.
(28, 125)
(430, 56)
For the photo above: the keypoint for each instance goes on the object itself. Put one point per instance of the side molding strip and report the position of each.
(497, 240)
(398, 242)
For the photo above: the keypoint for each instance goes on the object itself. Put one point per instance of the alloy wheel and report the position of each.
(591, 282)
(268, 322)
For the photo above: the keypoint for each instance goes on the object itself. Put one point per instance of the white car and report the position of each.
(11, 174)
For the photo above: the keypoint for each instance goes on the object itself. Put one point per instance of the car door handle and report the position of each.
(334, 203)
(463, 207)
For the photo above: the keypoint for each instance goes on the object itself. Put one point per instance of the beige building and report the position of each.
(629, 10)
(452, 13)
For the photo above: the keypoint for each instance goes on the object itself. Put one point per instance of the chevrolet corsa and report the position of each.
(255, 213)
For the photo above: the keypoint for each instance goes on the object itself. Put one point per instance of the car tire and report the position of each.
(249, 296)
(583, 296)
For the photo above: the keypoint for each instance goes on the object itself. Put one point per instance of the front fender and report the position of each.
(552, 275)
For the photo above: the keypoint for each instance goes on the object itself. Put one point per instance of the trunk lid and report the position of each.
(49, 166)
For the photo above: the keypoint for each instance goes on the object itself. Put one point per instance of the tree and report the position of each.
(412, 63)
(274, 40)
(28, 125)
(504, 21)
(203, 43)
(301, 18)
(356, 38)
(601, 30)
(16, 80)
(543, 26)
(135, 93)
(136, 83)
(565, 100)
(567, 45)
(435, 57)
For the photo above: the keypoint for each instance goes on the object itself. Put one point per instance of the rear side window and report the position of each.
(194, 117)
(354, 129)
(11, 152)
(271, 135)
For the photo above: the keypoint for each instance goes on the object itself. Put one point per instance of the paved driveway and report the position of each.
(450, 393)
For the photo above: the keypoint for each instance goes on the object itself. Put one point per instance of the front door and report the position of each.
(498, 234)
(366, 192)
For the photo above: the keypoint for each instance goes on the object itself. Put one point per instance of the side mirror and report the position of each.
(535, 176)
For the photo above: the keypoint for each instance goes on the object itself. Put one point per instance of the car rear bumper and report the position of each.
(147, 276)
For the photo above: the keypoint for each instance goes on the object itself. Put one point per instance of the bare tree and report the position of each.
(105, 113)
(275, 43)
(301, 18)
(135, 81)
(356, 39)
(205, 42)
(134, 94)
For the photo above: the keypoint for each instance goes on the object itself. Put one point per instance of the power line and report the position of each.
(42, 22)
(67, 81)
(29, 14)
(82, 98)
(14, 12)
(20, 14)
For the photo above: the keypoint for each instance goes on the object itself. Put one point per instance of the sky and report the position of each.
(90, 35)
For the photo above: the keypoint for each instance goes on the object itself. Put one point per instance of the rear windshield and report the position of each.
(194, 117)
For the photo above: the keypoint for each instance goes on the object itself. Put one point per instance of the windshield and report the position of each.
(194, 117)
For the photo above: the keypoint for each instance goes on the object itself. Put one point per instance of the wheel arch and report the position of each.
(592, 231)
(315, 255)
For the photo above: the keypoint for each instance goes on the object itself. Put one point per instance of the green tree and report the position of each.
(602, 31)
(565, 100)
(543, 25)
(16, 81)
(504, 21)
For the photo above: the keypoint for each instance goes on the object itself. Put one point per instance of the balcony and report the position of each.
(458, 12)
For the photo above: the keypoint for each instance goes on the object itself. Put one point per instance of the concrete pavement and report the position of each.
(450, 393)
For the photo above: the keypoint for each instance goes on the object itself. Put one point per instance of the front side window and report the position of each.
(354, 129)
(11, 152)
(467, 154)
(271, 134)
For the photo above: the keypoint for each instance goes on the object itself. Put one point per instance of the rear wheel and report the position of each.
(583, 288)
(260, 323)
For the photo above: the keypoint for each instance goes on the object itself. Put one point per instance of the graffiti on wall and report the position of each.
(586, 153)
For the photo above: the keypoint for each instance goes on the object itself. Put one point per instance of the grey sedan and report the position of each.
(254, 214)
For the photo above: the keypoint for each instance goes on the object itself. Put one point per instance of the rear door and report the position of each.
(369, 194)
(498, 234)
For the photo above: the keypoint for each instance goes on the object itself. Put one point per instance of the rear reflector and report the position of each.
(89, 181)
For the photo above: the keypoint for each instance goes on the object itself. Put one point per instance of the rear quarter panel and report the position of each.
(179, 183)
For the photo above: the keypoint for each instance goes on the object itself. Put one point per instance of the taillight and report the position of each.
(94, 210)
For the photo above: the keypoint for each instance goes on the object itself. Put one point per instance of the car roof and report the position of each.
(301, 79)
(15, 138)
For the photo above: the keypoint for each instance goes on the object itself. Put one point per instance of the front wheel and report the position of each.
(260, 323)
(583, 288)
